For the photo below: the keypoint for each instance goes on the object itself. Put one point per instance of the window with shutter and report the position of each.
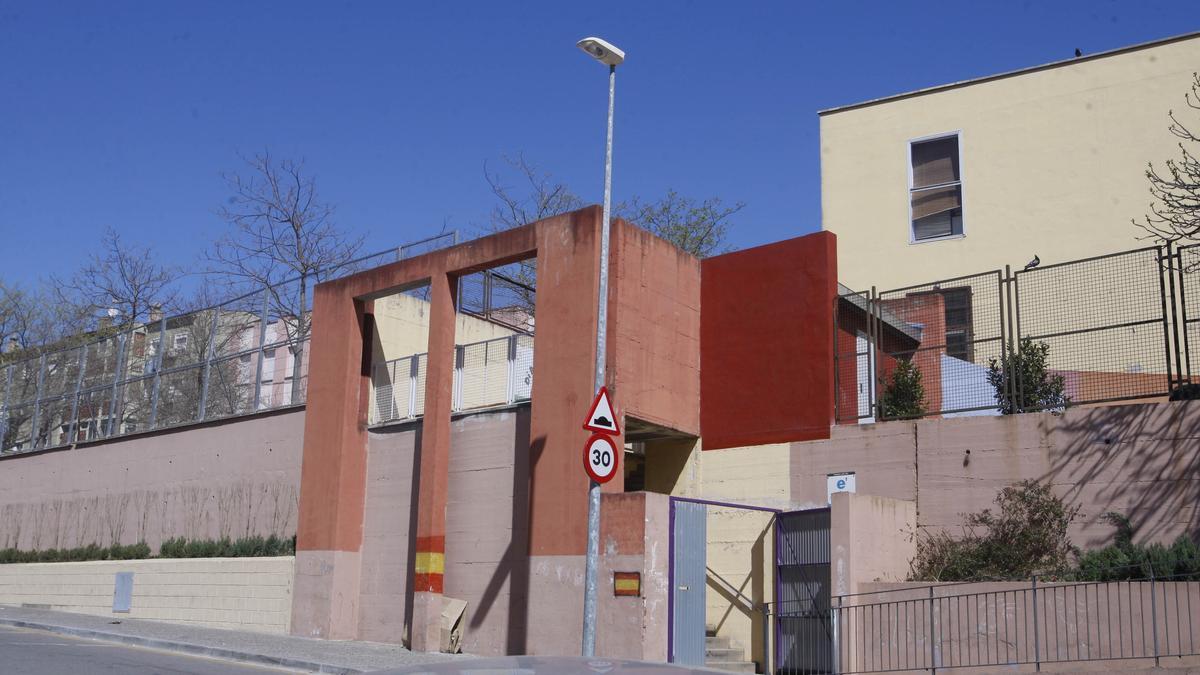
(935, 195)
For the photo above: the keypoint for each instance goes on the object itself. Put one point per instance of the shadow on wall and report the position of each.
(514, 564)
(748, 605)
(1139, 460)
(193, 511)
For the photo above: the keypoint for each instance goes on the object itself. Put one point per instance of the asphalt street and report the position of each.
(34, 652)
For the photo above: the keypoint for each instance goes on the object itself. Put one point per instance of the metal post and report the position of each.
(1164, 267)
(262, 339)
(208, 357)
(510, 389)
(1015, 373)
(932, 646)
(593, 533)
(1154, 615)
(8, 373)
(1006, 326)
(6, 404)
(1037, 638)
(414, 369)
(113, 404)
(37, 403)
(75, 399)
(837, 385)
(874, 348)
(456, 391)
(158, 361)
(837, 637)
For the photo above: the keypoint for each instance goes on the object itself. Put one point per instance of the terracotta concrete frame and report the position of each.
(333, 473)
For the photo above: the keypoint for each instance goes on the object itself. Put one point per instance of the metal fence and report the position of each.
(1008, 624)
(241, 356)
(1117, 327)
(489, 373)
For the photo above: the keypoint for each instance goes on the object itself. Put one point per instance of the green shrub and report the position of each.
(905, 394)
(1022, 382)
(1124, 560)
(177, 547)
(1026, 534)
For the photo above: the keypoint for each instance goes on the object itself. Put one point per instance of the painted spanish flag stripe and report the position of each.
(430, 563)
(627, 585)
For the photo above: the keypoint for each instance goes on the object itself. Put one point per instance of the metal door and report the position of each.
(804, 635)
(689, 536)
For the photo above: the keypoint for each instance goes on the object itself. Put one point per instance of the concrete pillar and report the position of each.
(333, 481)
(429, 561)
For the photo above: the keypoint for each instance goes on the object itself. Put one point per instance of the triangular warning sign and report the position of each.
(601, 417)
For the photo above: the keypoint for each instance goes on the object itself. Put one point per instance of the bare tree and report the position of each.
(699, 227)
(1175, 213)
(539, 196)
(281, 230)
(122, 281)
(30, 319)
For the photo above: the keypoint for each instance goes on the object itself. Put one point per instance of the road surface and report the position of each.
(35, 652)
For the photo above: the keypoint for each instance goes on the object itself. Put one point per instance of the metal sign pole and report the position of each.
(593, 534)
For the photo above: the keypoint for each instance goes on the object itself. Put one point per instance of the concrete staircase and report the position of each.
(721, 654)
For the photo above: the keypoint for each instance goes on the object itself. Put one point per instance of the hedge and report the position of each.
(246, 547)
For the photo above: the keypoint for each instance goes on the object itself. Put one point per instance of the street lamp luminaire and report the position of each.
(605, 53)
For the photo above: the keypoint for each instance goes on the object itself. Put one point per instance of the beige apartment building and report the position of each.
(975, 175)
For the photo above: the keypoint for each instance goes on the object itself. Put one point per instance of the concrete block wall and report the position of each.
(249, 594)
(230, 478)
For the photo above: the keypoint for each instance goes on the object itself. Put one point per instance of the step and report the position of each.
(731, 666)
(723, 654)
(720, 642)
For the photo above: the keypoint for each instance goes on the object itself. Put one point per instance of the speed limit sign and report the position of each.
(600, 458)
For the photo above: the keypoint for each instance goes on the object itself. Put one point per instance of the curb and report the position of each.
(184, 647)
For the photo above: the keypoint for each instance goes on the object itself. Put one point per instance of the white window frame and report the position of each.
(962, 181)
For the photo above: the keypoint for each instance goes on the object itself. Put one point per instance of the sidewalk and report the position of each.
(320, 656)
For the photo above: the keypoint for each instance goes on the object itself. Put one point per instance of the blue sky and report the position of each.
(124, 114)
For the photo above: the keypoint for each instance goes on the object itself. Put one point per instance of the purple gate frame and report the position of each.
(671, 562)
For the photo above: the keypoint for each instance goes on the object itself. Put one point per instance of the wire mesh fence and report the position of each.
(242, 356)
(1117, 327)
(1189, 302)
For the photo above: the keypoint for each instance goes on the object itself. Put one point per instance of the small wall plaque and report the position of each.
(123, 592)
(627, 583)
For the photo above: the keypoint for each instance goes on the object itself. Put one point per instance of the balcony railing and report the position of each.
(486, 374)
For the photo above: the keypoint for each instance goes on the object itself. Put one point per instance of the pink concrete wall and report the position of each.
(1141, 460)
(487, 560)
(229, 478)
(384, 609)
(487, 529)
(654, 329)
(1101, 627)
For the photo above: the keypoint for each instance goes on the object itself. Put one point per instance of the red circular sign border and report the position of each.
(587, 466)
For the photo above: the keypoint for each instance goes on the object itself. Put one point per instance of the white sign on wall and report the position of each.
(838, 482)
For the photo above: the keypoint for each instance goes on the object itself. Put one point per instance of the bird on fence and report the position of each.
(1078, 52)
(1033, 263)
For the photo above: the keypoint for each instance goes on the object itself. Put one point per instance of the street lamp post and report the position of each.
(609, 55)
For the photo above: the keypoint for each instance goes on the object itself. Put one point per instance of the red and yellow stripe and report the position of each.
(429, 564)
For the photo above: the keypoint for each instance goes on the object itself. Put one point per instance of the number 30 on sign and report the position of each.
(600, 458)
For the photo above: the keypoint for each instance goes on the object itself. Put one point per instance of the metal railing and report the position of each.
(241, 356)
(486, 374)
(1118, 327)
(1017, 623)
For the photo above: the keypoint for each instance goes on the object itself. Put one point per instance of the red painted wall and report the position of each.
(766, 343)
